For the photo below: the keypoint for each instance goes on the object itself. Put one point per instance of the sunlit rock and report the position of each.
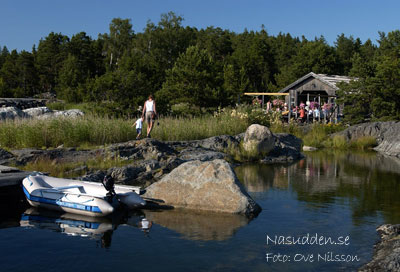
(210, 185)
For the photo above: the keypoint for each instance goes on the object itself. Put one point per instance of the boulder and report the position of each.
(258, 139)
(35, 112)
(73, 113)
(7, 113)
(287, 149)
(387, 251)
(210, 185)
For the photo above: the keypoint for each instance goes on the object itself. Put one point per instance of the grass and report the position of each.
(96, 130)
(92, 130)
(363, 143)
(67, 170)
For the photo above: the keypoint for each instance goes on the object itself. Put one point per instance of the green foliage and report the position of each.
(191, 80)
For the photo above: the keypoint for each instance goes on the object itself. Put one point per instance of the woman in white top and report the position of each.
(149, 112)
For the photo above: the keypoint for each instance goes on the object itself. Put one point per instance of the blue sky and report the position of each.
(24, 22)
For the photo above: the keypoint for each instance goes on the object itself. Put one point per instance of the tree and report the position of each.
(118, 41)
(28, 80)
(191, 80)
(51, 53)
(345, 49)
(253, 55)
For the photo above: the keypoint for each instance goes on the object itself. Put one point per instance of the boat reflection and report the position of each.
(68, 223)
(97, 228)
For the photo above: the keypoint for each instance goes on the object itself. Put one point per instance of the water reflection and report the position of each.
(196, 225)
(97, 228)
(370, 182)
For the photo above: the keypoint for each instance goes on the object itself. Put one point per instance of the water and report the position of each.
(334, 195)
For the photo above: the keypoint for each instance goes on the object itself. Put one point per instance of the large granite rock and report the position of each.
(387, 135)
(258, 139)
(287, 149)
(387, 251)
(12, 113)
(35, 112)
(210, 185)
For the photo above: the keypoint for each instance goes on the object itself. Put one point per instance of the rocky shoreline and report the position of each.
(387, 135)
(153, 162)
(386, 251)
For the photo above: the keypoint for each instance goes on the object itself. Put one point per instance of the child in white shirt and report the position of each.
(138, 123)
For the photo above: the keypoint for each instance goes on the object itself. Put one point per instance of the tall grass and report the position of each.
(73, 169)
(93, 130)
(364, 142)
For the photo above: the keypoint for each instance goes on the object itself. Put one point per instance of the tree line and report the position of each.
(201, 68)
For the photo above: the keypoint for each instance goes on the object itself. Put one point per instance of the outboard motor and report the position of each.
(108, 183)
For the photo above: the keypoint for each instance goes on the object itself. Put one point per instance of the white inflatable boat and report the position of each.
(79, 197)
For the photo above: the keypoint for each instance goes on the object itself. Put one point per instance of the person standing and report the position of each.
(149, 113)
(138, 124)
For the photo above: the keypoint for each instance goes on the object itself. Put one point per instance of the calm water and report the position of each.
(334, 195)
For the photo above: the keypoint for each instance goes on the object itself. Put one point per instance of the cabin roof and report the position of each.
(330, 80)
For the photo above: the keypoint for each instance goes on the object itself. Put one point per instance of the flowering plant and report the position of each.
(327, 106)
(278, 102)
(314, 105)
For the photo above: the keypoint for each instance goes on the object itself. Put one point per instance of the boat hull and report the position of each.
(75, 196)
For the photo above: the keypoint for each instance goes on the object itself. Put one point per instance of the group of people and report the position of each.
(305, 112)
(149, 113)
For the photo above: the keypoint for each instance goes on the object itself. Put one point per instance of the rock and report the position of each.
(143, 149)
(210, 185)
(73, 113)
(191, 154)
(387, 135)
(387, 251)
(8, 113)
(35, 112)
(258, 139)
(126, 174)
(5, 156)
(287, 149)
(309, 148)
(219, 143)
(97, 176)
(22, 103)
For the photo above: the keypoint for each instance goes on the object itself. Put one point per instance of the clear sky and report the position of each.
(24, 22)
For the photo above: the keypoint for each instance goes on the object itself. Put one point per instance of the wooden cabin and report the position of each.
(313, 86)
(320, 88)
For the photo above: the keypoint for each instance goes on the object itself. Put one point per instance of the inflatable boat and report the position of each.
(79, 197)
